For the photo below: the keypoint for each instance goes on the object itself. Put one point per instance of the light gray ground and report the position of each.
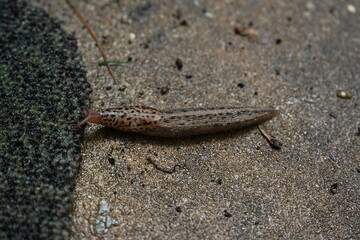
(233, 184)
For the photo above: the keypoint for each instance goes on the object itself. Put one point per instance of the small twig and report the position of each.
(93, 35)
(274, 143)
(164, 170)
(246, 32)
(113, 63)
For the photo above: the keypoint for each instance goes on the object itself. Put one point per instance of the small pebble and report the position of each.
(275, 144)
(132, 36)
(164, 90)
(310, 6)
(178, 209)
(179, 64)
(241, 85)
(351, 8)
(111, 160)
(334, 188)
(358, 132)
(343, 94)
(227, 214)
(333, 115)
(184, 23)
(209, 15)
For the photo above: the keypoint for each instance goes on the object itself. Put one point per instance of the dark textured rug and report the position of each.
(43, 91)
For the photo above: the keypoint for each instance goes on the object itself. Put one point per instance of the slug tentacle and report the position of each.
(91, 116)
(180, 122)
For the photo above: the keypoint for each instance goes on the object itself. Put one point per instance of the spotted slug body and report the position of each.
(179, 122)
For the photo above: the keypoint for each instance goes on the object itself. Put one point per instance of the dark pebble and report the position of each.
(111, 160)
(227, 214)
(179, 64)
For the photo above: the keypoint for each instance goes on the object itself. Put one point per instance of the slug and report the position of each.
(179, 122)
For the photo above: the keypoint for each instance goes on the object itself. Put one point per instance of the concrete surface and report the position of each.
(233, 185)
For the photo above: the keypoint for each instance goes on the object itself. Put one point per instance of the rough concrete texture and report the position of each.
(42, 91)
(232, 185)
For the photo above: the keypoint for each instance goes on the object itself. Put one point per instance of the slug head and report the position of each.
(91, 116)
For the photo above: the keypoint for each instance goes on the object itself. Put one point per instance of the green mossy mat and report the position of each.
(43, 91)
